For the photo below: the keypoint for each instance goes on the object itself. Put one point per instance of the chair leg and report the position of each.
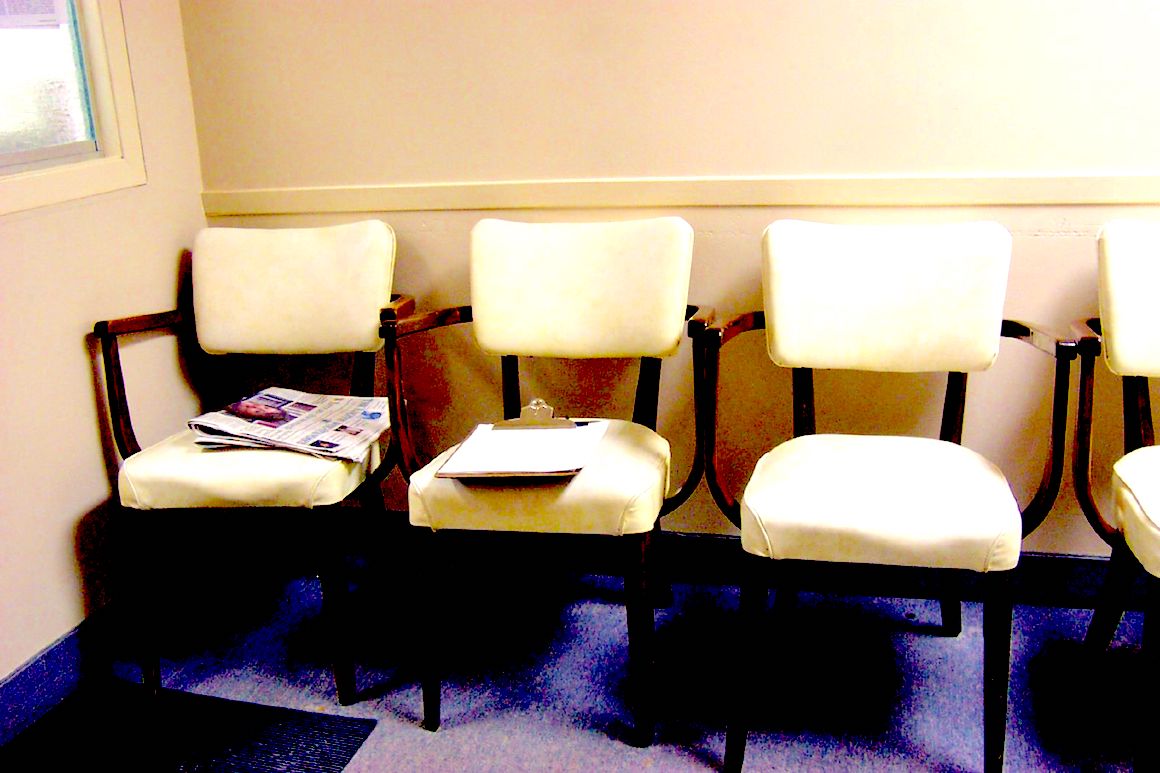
(430, 665)
(1147, 754)
(432, 690)
(660, 587)
(1110, 603)
(336, 615)
(137, 584)
(336, 581)
(998, 607)
(952, 616)
(641, 632)
(754, 598)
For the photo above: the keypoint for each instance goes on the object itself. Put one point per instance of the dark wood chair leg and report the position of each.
(754, 598)
(432, 689)
(431, 659)
(660, 587)
(336, 581)
(138, 580)
(1111, 600)
(998, 607)
(641, 632)
(1147, 754)
(336, 615)
(952, 616)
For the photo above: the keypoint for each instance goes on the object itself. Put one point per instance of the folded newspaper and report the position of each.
(332, 426)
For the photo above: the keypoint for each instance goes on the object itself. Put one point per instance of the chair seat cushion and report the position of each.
(619, 492)
(900, 501)
(176, 472)
(1136, 503)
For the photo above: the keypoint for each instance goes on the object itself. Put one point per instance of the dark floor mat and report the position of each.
(184, 733)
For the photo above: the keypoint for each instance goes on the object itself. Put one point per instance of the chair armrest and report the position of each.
(697, 318)
(1047, 342)
(399, 307)
(708, 341)
(397, 321)
(419, 322)
(1064, 350)
(139, 324)
(107, 333)
(1089, 334)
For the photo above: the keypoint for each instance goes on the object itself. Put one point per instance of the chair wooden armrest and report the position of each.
(697, 319)
(1050, 343)
(399, 307)
(107, 333)
(398, 321)
(1090, 337)
(707, 343)
(423, 321)
(1064, 350)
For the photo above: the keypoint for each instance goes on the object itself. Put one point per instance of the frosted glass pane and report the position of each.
(42, 95)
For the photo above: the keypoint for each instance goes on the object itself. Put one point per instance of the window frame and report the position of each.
(120, 162)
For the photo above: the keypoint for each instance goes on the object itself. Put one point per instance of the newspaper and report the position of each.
(331, 426)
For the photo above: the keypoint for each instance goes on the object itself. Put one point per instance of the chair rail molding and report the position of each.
(740, 191)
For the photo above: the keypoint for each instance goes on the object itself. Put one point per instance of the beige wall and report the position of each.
(65, 267)
(430, 115)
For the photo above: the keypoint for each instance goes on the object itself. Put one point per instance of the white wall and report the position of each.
(64, 267)
(1038, 113)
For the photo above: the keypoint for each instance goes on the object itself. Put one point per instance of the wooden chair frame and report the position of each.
(135, 539)
(640, 587)
(1124, 569)
(759, 575)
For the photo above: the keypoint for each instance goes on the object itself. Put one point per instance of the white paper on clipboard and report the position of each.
(554, 451)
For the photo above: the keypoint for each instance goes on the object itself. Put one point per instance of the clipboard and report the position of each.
(542, 451)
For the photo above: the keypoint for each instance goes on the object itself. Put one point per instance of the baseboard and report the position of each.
(29, 692)
(1041, 579)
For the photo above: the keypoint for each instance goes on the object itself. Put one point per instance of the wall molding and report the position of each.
(852, 191)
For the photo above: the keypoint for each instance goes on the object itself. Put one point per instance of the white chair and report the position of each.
(835, 510)
(572, 291)
(259, 297)
(1127, 332)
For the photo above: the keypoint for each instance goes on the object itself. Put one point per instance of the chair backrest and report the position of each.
(292, 290)
(897, 298)
(580, 290)
(1129, 280)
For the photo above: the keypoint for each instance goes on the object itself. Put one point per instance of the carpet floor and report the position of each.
(536, 676)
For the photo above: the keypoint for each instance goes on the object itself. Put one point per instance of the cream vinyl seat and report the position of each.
(589, 290)
(260, 296)
(911, 298)
(1126, 333)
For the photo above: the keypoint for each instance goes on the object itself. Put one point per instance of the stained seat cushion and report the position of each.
(900, 501)
(1136, 504)
(620, 491)
(177, 473)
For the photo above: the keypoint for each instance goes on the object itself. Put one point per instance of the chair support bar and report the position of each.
(107, 332)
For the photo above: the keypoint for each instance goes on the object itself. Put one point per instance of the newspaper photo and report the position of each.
(333, 426)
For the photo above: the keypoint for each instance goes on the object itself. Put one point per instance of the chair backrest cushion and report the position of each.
(292, 290)
(579, 290)
(1129, 282)
(898, 298)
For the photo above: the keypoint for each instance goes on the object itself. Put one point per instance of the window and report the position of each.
(68, 126)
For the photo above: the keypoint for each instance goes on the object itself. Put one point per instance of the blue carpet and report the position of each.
(536, 680)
